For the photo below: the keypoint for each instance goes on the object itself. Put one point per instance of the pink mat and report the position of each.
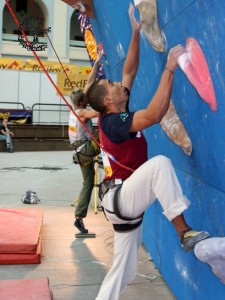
(20, 230)
(20, 241)
(25, 289)
(19, 259)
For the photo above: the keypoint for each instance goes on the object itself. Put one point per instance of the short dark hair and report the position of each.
(95, 95)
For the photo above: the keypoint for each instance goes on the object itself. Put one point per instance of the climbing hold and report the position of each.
(212, 251)
(174, 128)
(194, 65)
(149, 23)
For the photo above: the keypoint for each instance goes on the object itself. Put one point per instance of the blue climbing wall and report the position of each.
(202, 174)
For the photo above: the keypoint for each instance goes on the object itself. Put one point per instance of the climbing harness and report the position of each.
(85, 151)
(116, 184)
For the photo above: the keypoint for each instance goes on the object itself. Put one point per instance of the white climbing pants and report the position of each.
(155, 179)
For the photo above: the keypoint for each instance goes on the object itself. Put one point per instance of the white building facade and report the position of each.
(64, 43)
(65, 32)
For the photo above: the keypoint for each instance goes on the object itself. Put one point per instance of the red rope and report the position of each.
(59, 92)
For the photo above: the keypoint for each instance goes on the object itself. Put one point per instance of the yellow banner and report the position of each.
(33, 65)
(86, 70)
(66, 85)
(55, 67)
(11, 63)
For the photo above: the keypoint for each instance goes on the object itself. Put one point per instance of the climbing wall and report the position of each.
(202, 173)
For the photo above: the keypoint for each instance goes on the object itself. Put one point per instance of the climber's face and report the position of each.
(116, 95)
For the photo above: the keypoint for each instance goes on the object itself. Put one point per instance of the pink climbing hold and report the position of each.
(193, 63)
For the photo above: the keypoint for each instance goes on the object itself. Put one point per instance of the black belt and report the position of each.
(126, 227)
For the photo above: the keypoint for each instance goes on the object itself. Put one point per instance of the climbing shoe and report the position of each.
(80, 225)
(189, 238)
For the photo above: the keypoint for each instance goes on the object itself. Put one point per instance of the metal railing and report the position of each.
(44, 113)
(17, 103)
